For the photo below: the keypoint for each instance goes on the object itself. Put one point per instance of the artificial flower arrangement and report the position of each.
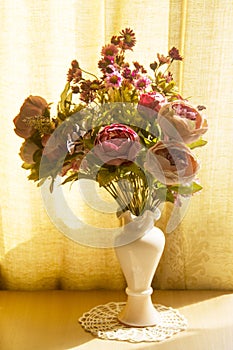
(131, 132)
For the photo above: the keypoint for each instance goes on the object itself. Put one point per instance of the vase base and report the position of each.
(143, 315)
(139, 310)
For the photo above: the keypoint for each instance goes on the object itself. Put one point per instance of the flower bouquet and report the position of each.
(130, 131)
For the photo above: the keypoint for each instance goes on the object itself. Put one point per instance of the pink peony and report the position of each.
(171, 163)
(33, 106)
(117, 144)
(181, 121)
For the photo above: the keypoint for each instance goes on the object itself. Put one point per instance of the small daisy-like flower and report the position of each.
(105, 62)
(174, 54)
(88, 90)
(142, 83)
(128, 37)
(115, 40)
(113, 80)
(109, 50)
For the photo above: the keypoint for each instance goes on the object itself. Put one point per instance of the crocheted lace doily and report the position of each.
(102, 322)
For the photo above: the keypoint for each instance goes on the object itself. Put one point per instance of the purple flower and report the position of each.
(117, 144)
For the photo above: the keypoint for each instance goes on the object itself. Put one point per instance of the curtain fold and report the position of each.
(38, 42)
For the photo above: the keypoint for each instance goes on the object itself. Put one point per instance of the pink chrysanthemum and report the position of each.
(142, 83)
(113, 80)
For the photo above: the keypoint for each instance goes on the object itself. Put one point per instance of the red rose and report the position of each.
(33, 106)
(152, 101)
(117, 144)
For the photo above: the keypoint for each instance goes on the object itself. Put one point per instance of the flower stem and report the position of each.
(84, 71)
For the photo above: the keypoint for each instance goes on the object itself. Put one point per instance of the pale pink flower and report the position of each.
(171, 163)
(181, 121)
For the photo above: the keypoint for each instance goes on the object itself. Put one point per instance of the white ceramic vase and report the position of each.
(139, 260)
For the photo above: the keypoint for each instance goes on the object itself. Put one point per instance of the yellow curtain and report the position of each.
(38, 42)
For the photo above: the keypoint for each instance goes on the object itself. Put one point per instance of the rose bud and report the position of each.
(182, 122)
(117, 144)
(171, 163)
(33, 106)
(150, 103)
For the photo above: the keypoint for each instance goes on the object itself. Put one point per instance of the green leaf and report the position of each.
(169, 87)
(34, 175)
(186, 189)
(62, 104)
(41, 182)
(196, 187)
(27, 166)
(51, 185)
(72, 177)
(198, 143)
(164, 194)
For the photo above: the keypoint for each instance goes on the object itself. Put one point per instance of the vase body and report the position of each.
(139, 260)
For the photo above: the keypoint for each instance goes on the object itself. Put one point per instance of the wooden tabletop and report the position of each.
(48, 320)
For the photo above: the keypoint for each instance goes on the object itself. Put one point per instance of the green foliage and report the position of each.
(198, 143)
(186, 189)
